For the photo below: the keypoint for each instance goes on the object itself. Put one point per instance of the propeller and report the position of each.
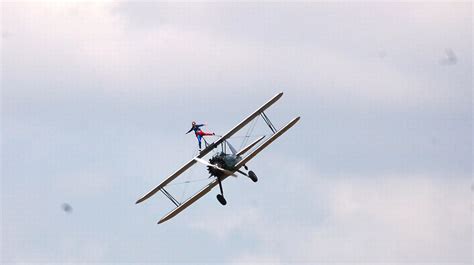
(228, 172)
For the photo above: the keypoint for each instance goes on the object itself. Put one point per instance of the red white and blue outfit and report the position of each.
(198, 132)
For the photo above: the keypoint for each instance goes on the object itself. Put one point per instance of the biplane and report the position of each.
(227, 161)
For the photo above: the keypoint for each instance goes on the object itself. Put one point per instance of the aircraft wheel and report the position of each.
(252, 176)
(221, 199)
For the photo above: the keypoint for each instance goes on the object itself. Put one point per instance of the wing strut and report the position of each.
(266, 143)
(189, 201)
(169, 196)
(268, 122)
(247, 120)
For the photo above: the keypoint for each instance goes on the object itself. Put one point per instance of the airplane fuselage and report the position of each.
(225, 161)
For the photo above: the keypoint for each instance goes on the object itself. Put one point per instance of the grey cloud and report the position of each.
(96, 98)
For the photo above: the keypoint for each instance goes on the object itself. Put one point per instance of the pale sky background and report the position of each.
(96, 98)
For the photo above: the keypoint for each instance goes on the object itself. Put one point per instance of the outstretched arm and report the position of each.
(190, 130)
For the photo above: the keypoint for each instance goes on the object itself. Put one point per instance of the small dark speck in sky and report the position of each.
(66, 208)
(450, 58)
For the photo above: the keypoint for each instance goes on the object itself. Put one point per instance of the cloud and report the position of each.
(316, 52)
(253, 258)
(96, 98)
(349, 218)
(389, 220)
(237, 220)
(129, 50)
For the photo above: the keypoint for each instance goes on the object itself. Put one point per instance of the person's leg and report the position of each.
(199, 137)
(204, 133)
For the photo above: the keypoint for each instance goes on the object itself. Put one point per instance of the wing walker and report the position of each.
(224, 163)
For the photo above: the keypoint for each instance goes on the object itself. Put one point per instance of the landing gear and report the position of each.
(221, 199)
(252, 176)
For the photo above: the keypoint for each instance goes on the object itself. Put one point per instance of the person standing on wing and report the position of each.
(198, 132)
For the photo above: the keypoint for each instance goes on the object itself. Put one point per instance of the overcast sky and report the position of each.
(96, 98)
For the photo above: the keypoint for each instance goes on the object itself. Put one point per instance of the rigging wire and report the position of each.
(209, 129)
(186, 182)
(184, 192)
(249, 131)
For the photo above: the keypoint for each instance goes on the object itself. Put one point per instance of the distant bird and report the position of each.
(66, 208)
(450, 58)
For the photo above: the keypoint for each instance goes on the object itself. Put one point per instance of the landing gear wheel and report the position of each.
(252, 176)
(221, 199)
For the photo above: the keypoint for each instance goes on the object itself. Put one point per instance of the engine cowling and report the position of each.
(218, 161)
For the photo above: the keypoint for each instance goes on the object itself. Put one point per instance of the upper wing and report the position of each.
(266, 143)
(248, 119)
